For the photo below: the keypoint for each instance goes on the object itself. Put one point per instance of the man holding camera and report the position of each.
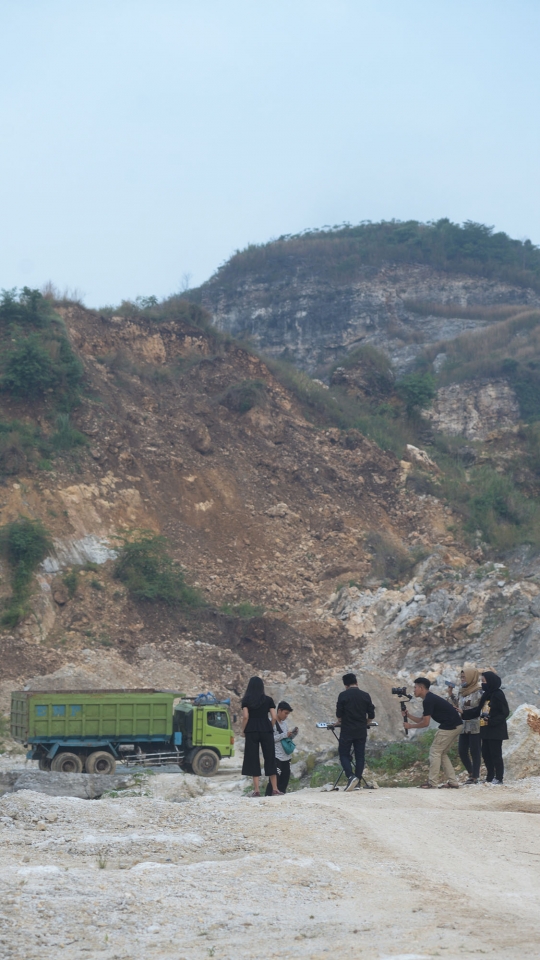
(354, 708)
(450, 725)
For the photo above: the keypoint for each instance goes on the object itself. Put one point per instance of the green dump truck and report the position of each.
(72, 731)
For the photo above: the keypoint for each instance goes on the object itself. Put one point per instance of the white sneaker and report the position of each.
(496, 783)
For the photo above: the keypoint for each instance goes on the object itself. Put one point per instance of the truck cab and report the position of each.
(207, 735)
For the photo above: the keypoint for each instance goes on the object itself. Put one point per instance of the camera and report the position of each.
(399, 691)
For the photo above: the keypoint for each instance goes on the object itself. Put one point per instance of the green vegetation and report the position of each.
(150, 574)
(241, 397)
(24, 543)
(344, 252)
(508, 348)
(170, 310)
(37, 360)
(66, 437)
(335, 407)
(244, 610)
(417, 391)
(71, 580)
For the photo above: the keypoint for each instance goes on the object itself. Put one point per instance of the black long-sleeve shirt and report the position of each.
(354, 708)
(496, 728)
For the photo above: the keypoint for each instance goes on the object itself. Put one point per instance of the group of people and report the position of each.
(265, 727)
(476, 718)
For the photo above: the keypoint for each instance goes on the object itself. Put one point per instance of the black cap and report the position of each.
(283, 705)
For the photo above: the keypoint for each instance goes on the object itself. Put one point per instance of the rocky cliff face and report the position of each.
(474, 410)
(316, 320)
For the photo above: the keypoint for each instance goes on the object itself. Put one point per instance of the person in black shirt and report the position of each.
(450, 724)
(353, 710)
(493, 710)
(258, 720)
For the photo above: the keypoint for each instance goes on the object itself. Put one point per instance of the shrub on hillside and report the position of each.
(417, 391)
(149, 573)
(242, 396)
(29, 308)
(24, 544)
(390, 560)
(35, 367)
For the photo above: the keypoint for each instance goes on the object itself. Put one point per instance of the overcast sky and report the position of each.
(143, 140)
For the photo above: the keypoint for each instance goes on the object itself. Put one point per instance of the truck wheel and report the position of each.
(66, 763)
(100, 762)
(44, 763)
(205, 763)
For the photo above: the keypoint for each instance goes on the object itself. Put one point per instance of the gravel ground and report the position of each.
(388, 873)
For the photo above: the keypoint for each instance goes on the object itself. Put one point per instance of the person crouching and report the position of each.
(283, 759)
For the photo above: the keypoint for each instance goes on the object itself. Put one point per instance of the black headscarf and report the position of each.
(490, 684)
(254, 694)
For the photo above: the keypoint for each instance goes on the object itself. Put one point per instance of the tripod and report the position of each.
(332, 727)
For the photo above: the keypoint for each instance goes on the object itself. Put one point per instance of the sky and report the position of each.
(144, 141)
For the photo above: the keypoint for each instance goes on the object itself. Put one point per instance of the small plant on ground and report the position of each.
(241, 397)
(150, 574)
(24, 543)
(71, 581)
(66, 437)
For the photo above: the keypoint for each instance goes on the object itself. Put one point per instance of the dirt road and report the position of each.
(379, 874)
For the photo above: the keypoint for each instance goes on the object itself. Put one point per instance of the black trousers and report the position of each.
(251, 766)
(492, 756)
(469, 753)
(283, 777)
(345, 747)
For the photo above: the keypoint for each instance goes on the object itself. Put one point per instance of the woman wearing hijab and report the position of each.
(258, 719)
(493, 710)
(469, 746)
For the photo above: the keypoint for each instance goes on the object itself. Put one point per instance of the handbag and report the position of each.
(287, 743)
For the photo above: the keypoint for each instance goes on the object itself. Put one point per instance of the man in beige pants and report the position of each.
(450, 725)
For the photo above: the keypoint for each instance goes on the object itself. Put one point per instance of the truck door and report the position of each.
(217, 731)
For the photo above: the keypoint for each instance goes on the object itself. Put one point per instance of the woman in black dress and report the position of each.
(258, 719)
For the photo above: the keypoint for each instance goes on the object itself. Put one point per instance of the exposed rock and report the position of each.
(200, 439)
(522, 751)
(60, 594)
(415, 455)
(86, 786)
(317, 319)
(474, 410)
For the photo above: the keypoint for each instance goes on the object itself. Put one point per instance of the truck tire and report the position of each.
(205, 763)
(67, 763)
(44, 763)
(100, 762)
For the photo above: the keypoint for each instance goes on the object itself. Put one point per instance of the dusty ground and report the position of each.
(388, 873)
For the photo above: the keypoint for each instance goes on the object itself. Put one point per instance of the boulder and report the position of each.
(522, 751)
(200, 439)
(86, 786)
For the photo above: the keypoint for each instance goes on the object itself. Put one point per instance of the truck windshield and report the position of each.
(218, 718)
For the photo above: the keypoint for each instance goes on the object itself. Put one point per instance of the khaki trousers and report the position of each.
(438, 754)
